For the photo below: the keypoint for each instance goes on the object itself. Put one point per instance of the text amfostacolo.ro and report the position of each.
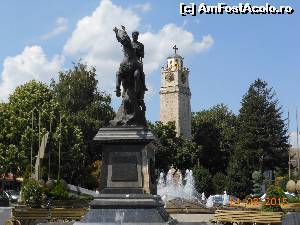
(241, 8)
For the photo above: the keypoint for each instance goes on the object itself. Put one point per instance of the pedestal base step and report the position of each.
(142, 209)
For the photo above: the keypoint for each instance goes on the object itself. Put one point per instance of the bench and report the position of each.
(30, 213)
(24, 215)
(240, 217)
(68, 213)
(291, 207)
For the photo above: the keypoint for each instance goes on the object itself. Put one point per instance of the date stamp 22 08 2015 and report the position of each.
(256, 201)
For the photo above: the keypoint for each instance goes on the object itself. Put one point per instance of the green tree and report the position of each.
(262, 131)
(203, 179)
(77, 90)
(12, 160)
(219, 182)
(239, 181)
(172, 150)
(35, 101)
(88, 109)
(70, 139)
(215, 131)
(17, 135)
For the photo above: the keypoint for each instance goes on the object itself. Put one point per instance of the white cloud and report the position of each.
(61, 25)
(159, 45)
(32, 63)
(142, 7)
(94, 41)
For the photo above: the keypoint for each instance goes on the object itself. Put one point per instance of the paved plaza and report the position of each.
(5, 213)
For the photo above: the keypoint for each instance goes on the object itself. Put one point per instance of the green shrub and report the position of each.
(219, 182)
(203, 180)
(257, 179)
(33, 193)
(273, 192)
(294, 200)
(282, 182)
(59, 191)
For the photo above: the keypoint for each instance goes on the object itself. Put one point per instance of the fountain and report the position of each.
(178, 191)
(225, 199)
(173, 187)
(203, 198)
(210, 202)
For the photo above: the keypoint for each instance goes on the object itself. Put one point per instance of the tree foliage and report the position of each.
(73, 109)
(172, 150)
(77, 91)
(203, 179)
(219, 182)
(262, 141)
(239, 181)
(32, 193)
(88, 109)
(215, 131)
(17, 135)
(59, 191)
(262, 131)
(13, 160)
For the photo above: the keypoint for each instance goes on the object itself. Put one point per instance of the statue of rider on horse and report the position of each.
(132, 78)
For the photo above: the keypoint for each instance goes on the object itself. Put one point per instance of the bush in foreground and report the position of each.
(60, 191)
(33, 193)
(274, 193)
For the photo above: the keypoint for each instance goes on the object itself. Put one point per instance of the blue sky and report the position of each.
(46, 35)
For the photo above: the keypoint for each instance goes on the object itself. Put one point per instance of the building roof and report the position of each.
(175, 55)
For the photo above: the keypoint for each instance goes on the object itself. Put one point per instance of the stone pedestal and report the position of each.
(127, 158)
(127, 186)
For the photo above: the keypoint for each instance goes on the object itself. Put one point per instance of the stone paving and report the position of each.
(192, 218)
(5, 214)
(183, 219)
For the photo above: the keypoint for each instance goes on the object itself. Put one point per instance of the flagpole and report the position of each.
(49, 158)
(38, 175)
(289, 141)
(59, 146)
(31, 150)
(297, 138)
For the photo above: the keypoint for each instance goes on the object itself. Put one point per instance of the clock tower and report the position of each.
(175, 95)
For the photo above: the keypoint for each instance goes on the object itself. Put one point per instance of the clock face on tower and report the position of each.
(169, 77)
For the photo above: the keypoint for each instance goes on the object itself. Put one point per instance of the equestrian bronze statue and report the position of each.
(132, 78)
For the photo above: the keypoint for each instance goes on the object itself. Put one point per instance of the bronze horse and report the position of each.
(130, 75)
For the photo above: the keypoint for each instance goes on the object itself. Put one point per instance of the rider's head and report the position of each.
(135, 35)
